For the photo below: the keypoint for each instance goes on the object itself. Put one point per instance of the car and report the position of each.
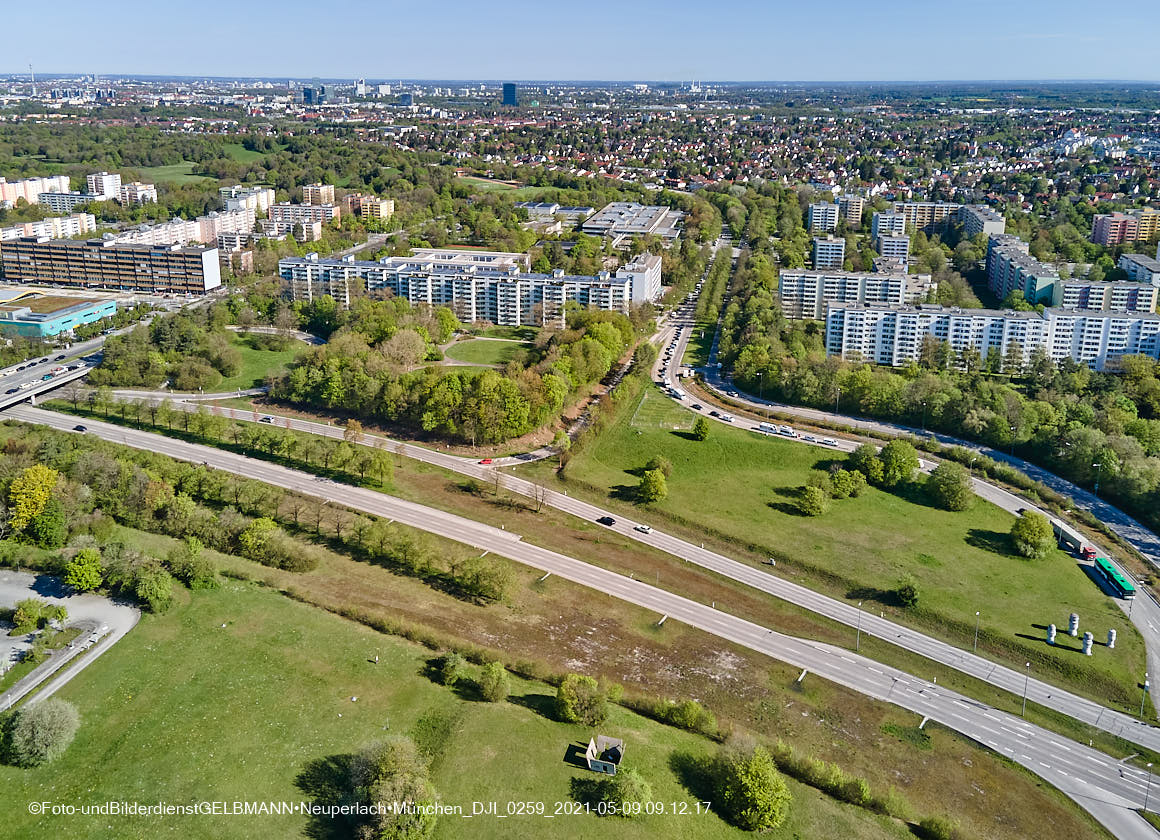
(80, 428)
(714, 414)
(696, 406)
(829, 442)
(606, 520)
(267, 419)
(644, 529)
(21, 367)
(11, 390)
(485, 461)
(728, 418)
(809, 439)
(60, 358)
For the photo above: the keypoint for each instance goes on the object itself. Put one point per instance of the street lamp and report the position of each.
(976, 631)
(924, 415)
(1099, 473)
(1148, 788)
(1013, 428)
(837, 396)
(1026, 680)
(760, 382)
(858, 641)
(1144, 693)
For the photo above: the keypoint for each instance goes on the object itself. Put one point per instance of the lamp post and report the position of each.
(858, 640)
(1026, 680)
(1099, 472)
(924, 415)
(1013, 429)
(976, 631)
(1148, 787)
(760, 383)
(1144, 693)
(837, 396)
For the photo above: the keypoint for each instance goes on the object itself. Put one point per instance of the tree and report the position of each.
(49, 529)
(84, 573)
(813, 501)
(1032, 535)
(629, 791)
(580, 699)
(353, 432)
(388, 772)
(42, 732)
(949, 486)
(907, 590)
(845, 484)
(29, 493)
(700, 429)
(493, 682)
(449, 668)
(750, 791)
(189, 564)
(154, 587)
(660, 462)
(652, 487)
(899, 463)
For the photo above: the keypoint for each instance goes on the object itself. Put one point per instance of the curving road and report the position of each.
(1107, 789)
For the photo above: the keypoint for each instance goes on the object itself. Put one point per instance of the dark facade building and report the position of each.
(509, 95)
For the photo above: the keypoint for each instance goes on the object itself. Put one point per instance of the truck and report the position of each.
(767, 428)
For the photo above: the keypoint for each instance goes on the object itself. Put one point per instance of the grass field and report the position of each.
(699, 345)
(860, 547)
(185, 709)
(258, 363)
(484, 351)
(238, 152)
(176, 173)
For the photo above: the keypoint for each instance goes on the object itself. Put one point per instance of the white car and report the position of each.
(644, 529)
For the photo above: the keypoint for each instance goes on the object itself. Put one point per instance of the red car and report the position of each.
(486, 461)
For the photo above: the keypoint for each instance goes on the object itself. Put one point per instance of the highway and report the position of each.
(1106, 788)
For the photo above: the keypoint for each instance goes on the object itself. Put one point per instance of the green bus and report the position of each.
(1118, 581)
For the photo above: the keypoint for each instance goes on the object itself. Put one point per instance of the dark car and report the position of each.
(21, 367)
(696, 406)
(11, 390)
(606, 520)
(714, 414)
(79, 429)
(60, 358)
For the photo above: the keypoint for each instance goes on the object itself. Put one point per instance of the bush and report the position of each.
(49, 528)
(938, 828)
(700, 429)
(153, 587)
(660, 462)
(34, 613)
(813, 501)
(949, 486)
(493, 682)
(449, 668)
(83, 573)
(688, 714)
(899, 462)
(846, 484)
(907, 590)
(390, 772)
(1032, 535)
(580, 699)
(189, 564)
(751, 794)
(627, 789)
(40, 733)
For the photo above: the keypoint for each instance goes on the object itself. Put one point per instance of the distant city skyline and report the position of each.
(749, 40)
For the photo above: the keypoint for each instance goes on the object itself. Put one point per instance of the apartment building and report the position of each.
(99, 264)
(318, 194)
(202, 230)
(887, 224)
(850, 207)
(104, 184)
(1108, 297)
(241, 197)
(30, 189)
(622, 220)
(806, 294)
(295, 214)
(927, 216)
(368, 206)
(64, 203)
(894, 335)
(894, 248)
(1011, 268)
(308, 231)
(829, 252)
(1110, 229)
(477, 286)
(137, 193)
(1142, 268)
(54, 227)
(822, 217)
(978, 218)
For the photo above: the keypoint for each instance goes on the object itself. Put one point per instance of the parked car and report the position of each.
(606, 520)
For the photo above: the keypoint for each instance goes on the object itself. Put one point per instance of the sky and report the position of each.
(624, 40)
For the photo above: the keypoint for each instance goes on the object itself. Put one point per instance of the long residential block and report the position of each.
(98, 264)
(895, 335)
(806, 293)
(30, 189)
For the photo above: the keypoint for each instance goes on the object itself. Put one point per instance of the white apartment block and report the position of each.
(318, 194)
(104, 183)
(54, 227)
(1142, 268)
(1109, 297)
(30, 189)
(894, 335)
(888, 224)
(241, 197)
(806, 294)
(851, 206)
(64, 203)
(137, 193)
(1011, 268)
(202, 230)
(894, 247)
(979, 218)
(829, 252)
(295, 214)
(477, 286)
(302, 231)
(823, 217)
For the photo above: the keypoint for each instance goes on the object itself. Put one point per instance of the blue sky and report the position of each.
(594, 39)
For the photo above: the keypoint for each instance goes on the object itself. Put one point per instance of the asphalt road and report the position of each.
(1107, 789)
(90, 610)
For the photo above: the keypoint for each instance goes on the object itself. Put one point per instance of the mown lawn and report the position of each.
(258, 363)
(479, 351)
(238, 152)
(175, 173)
(741, 487)
(185, 710)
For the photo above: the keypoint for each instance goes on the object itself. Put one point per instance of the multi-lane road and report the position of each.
(1109, 790)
